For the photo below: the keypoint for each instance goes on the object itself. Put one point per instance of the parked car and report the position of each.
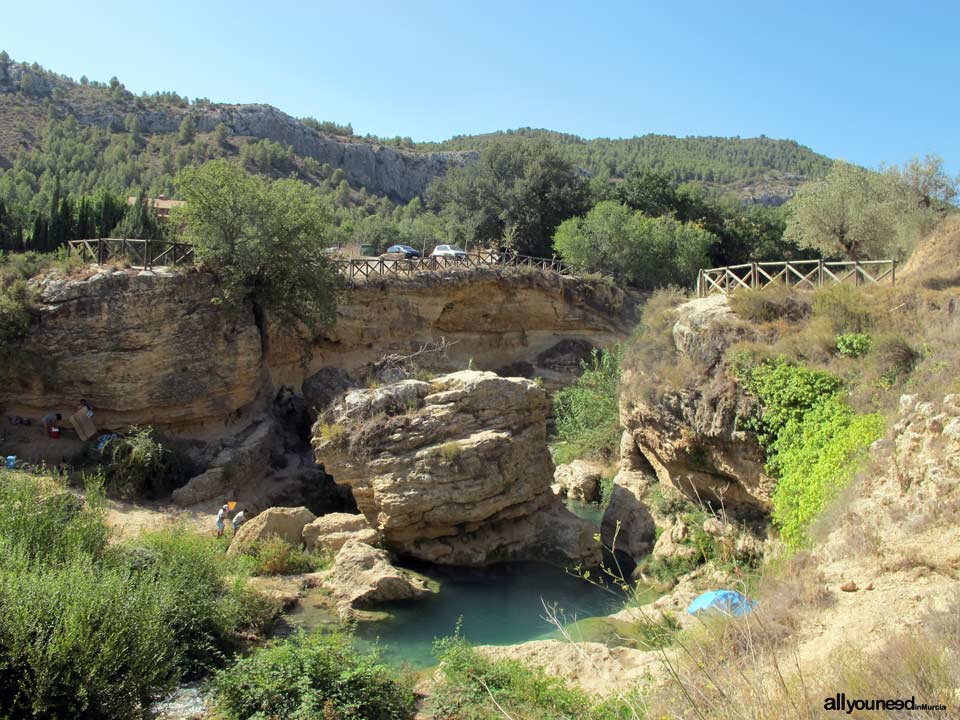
(447, 251)
(408, 252)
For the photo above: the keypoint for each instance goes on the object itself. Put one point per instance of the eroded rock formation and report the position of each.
(689, 436)
(362, 576)
(286, 523)
(454, 470)
(332, 531)
(150, 348)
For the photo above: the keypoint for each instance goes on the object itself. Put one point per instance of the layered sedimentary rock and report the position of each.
(151, 348)
(455, 470)
(332, 531)
(689, 436)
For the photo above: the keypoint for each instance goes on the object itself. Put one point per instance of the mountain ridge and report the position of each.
(761, 170)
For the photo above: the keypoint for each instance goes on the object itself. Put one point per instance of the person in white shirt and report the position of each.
(239, 519)
(220, 519)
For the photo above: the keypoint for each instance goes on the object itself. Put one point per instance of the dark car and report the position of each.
(408, 252)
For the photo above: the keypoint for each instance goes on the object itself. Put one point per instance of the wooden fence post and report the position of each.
(893, 273)
(820, 273)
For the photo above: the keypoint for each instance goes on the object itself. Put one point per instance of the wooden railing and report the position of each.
(804, 274)
(138, 253)
(385, 267)
(154, 253)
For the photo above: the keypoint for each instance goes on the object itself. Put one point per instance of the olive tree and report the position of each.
(264, 239)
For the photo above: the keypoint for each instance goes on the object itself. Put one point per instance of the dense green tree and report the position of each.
(140, 221)
(187, 130)
(651, 192)
(857, 214)
(264, 239)
(636, 250)
(528, 187)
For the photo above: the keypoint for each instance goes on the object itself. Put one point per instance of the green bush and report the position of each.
(275, 556)
(141, 466)
(16, 301)
(312, 676)
(91, 630)
(812, 437)
(588, 412)
(817, 457)
(473, 687)
(854, 345)
(786, 392)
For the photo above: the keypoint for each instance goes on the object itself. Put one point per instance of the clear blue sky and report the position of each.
(869, 82)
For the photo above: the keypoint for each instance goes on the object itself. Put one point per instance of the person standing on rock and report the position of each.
(221, 516)
(238, 520)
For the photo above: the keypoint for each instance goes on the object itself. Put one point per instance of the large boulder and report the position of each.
(691, 437)
(455, 470)
(330, 532)
(363, 576)
(287, 523)
(579, 480)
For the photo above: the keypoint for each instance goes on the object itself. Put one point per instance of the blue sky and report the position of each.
(868, 82)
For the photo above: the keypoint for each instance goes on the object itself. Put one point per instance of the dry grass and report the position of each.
(776, 302)
(744, 669)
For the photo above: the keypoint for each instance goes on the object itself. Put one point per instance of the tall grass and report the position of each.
(96, 630)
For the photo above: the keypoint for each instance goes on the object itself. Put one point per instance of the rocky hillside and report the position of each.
(29, 95)
(761, 170)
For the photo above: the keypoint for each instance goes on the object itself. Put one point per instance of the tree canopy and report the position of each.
(516, 194)
(863, 215)
(264, 239)
(637, 250)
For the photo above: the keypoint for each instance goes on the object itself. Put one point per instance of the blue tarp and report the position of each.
(727, 601)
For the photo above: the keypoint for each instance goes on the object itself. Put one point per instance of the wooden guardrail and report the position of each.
(804, 274)
(139, 253)
(385, 267)
(154, 253)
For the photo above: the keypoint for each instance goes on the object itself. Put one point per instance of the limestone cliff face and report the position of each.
(455, 470)
(145, 348)
(493, 318)
(688, 437)
(151, 348)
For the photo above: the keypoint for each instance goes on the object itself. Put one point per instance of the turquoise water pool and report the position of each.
(501, 604)
(495, 605)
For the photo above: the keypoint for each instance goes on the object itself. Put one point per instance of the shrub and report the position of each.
(786, 392)
(450, 451)
(331, 432)
(854, 345)
(847, 308)
(139, 465)
(813, 439)
(775, 302)
(91, 630)
(16, 302)
(312, 676)
(275, 556)
(471, 686)
(588, 412)
(816, 457)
